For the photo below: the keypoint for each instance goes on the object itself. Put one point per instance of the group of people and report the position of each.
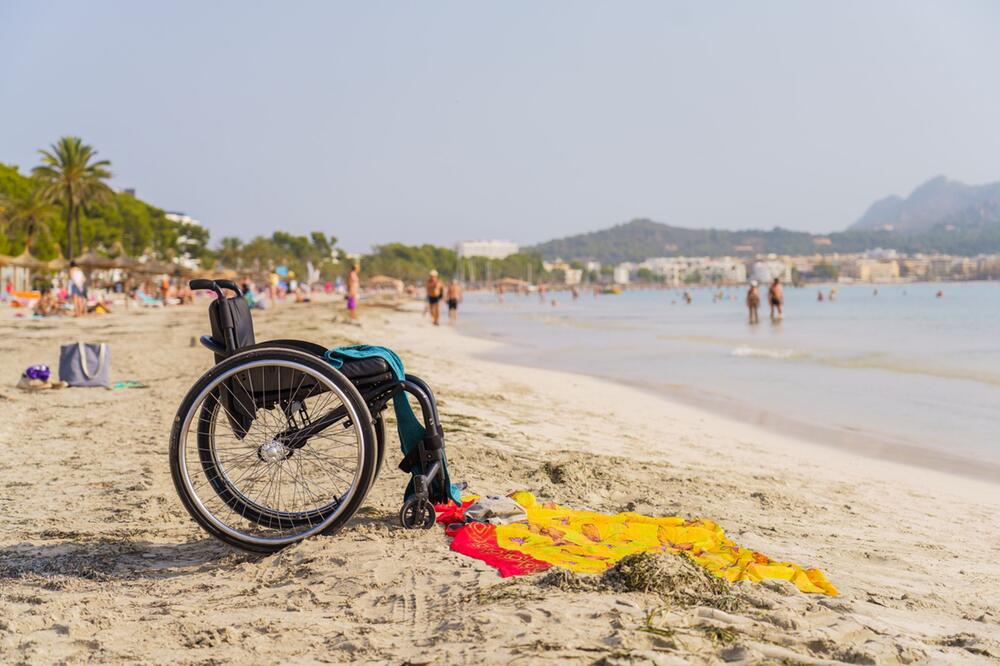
(435, 287)
(73, 294)
(775, 298)
(436, 291)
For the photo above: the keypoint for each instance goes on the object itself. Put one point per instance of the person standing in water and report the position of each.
(776, 297)
(753, 302)
(453, 296)
(435, 290)
(353, 293)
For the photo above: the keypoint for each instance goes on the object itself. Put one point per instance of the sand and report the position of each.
(100, 562)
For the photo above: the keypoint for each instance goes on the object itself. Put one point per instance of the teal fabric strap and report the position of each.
(410, 430)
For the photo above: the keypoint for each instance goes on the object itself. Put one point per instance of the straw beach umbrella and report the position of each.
(93, 260)
(26, 260)
(384, 282)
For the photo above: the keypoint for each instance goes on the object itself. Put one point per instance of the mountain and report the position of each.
(968, 232)
(641, 239)
(938, 201)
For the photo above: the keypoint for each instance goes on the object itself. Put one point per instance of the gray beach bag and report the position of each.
(85, 364)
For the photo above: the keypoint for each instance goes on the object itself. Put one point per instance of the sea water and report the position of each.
(889, 370)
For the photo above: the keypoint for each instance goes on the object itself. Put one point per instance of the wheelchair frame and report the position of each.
(232, 321)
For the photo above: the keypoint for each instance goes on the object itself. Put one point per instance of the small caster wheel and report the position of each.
(416, 513)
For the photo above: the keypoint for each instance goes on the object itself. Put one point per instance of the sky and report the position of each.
(436, 122)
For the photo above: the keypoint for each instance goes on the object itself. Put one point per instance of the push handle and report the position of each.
(225, 314)
(209, 285)
(215, 285)
(230, 285)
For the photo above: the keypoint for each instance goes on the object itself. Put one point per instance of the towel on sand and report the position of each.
(589, 542)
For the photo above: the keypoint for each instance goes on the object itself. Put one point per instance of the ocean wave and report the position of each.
(759, 352)
(873, 361)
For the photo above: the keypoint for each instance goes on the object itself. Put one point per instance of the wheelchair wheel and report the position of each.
(272, 446)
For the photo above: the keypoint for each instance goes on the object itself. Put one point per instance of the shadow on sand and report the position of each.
(116, 559)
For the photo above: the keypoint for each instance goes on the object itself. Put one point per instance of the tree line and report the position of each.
(65, 206)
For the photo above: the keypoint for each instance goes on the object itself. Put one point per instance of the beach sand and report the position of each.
(100, 562)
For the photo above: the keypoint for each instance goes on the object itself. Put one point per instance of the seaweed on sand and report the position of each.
(674, 578)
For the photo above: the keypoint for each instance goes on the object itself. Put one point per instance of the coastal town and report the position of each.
(877, 265)
(872, 266)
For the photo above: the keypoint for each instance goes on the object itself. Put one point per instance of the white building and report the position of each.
(677, 270)
(621, 274)
(574, 276)
(489, 249)
(184, 218)
(766, 271)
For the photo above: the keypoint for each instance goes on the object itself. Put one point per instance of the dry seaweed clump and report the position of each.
(675, 578)
(568, 581)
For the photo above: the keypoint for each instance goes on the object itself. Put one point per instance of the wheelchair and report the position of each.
(274, 444)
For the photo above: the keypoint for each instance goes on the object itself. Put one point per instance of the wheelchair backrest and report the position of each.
(242, 322)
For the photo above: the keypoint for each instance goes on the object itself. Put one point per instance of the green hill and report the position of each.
(974, 231)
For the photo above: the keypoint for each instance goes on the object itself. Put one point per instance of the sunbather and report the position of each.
(47, 304)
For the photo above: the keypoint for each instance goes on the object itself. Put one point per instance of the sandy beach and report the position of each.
(99, 562)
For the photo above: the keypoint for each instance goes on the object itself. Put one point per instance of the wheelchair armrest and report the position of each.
(209, 343)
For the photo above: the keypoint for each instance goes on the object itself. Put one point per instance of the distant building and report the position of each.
(574, 276)
(766, 271)
(488, 249)
(183, 218)
(621, 274)
(679, 270)
(875, 270)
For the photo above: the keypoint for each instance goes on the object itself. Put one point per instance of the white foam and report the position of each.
(758, 352)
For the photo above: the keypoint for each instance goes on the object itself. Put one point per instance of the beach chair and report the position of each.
(148, 301)
(275, 444)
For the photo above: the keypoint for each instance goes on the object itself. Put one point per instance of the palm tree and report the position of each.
(229, 252)
(70, 177)
(29, 215)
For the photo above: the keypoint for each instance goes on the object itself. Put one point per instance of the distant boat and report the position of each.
(612, 289)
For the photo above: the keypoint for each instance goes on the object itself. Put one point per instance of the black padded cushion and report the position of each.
(360, 369)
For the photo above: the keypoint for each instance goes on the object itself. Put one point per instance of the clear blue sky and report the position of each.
(433, 122)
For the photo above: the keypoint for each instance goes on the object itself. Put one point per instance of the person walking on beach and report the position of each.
(78, 289)
(353, 292)
(454, 295)
(753, 302)
(776, 297)
(435, 290)
(272, 287)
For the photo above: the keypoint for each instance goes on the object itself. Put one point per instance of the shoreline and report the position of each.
(866, 442)
(901, 461)
(868, 445)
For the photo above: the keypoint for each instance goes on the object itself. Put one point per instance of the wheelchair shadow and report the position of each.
(369, 517)
(105, 560)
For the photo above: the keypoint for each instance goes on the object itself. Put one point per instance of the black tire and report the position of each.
(192, 407)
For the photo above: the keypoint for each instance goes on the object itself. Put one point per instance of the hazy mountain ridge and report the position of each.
(972, 231)
(642, 238)
(940, 215)
(937, 201)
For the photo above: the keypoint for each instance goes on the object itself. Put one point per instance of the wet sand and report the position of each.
(100, 562)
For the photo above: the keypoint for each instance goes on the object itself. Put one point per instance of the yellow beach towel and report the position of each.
(588, 542)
